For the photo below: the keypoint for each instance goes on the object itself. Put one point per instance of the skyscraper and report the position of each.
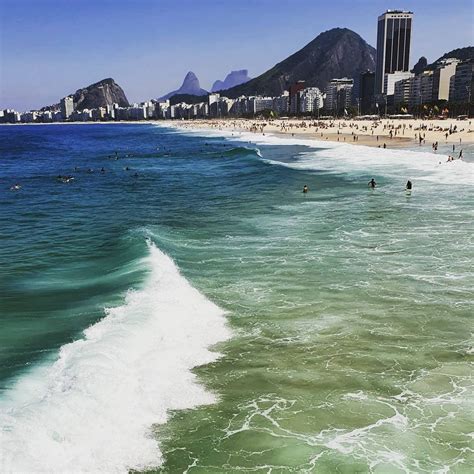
(366, 92)
(67, 107)
(393, 45)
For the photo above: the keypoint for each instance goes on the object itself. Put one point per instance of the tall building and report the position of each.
(311, 100)
(441, 78)
(393, 46)
(402, 91)
(67, 107)
(338, 95)
(464, 82)
(281, 103)
(391, 79)
(366, 92)
(294, 98)
(421, 89)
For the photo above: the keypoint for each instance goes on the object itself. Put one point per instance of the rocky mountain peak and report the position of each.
(100, 94)
(190, 86)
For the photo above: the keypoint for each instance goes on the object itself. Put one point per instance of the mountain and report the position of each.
(190, 86)
(339, 52)
(420, 66)
(100, 94)
(460, 53)
(234, 78)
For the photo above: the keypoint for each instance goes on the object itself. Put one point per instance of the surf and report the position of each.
(94, 408)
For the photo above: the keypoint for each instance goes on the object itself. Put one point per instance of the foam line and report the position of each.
(359, 160)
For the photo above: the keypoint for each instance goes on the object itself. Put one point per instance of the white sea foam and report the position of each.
(93, 409)
(360, 160)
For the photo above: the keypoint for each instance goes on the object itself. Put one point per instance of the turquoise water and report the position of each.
(340, 321)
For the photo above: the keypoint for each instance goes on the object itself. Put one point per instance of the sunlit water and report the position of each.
(339, 322)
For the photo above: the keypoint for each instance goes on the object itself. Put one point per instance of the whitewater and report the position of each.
(94, 409)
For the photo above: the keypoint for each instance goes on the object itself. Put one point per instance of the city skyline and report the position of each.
(50, 49)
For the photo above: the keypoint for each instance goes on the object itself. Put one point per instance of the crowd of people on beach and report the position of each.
(383, 133)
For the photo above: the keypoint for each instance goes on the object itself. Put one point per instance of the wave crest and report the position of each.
(93, 409)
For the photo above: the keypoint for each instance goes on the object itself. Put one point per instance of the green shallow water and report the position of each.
(351, 344)
(350, 309)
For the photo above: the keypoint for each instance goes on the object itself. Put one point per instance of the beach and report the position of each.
(393, 133)
(189, 309)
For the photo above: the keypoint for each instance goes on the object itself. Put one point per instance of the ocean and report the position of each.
(182, 306)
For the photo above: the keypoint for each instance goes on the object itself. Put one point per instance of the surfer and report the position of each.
(15, 187)
(372, 183)
(408, 186)
(305, 189)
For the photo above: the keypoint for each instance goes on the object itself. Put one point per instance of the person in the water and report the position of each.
(408, 185)
(372, 183)
(305, 189)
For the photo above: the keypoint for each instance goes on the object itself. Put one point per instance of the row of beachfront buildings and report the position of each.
(392, 86)
(450, 81)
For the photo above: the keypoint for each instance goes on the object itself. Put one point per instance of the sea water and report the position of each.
(189, 309)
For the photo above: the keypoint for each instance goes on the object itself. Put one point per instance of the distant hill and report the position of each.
(336, 53)
(234, 78)
(100, 94)
(190, 86)
(460, 53)
(420, 66)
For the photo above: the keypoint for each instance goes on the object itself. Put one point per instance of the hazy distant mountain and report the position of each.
(335, 53)
(234, 78)
(459, 53)
(100, 94)
(190, 86)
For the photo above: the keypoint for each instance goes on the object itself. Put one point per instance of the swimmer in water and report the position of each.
(408, 186)
(15, 187)
(305, 189)
(372, 183)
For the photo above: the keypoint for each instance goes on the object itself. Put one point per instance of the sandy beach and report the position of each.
(384, 133)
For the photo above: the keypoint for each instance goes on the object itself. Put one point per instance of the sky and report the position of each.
(51, 48)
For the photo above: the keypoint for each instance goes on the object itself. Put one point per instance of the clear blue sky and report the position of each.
(50, 48)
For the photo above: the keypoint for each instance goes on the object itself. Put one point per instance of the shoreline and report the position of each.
(383, 133)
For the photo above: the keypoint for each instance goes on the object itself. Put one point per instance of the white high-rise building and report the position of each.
(441, 78)
(311, 100)
(67, 107)
(391, 79)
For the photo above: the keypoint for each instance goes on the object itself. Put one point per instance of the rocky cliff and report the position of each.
(100, 94)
